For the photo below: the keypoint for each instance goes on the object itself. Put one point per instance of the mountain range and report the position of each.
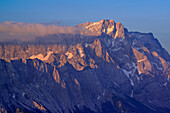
(102, 68)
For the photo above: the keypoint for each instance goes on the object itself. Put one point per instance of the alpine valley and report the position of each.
(103, 68)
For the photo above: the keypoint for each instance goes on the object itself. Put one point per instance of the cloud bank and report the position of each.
(27, 31)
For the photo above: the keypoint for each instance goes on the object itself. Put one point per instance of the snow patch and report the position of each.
(23, 94)
(98, 97)
(108, 42)
(13, 96)
(134, 42)
(116, 49)
(41, 57)
(69, 55)
(93, 24)
(157, 66)
(135, 68)
(134, 65)
(128, 65)
(86, 45)
(127, 73)
(164, 84)
(104, 30)
(168, 63)
(37, 86)
(137, 48)
(14, 58)
(113, 43)
(103, 93)
(131, 94)
(116, 84)
(80, 51)
(149, 101)
(110, 29)
(139, 71)
(126, 56)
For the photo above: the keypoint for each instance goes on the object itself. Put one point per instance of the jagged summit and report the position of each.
(108, 27)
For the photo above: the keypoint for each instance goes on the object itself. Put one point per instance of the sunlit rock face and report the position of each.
(106, 69)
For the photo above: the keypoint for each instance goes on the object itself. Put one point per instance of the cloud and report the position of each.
(53, 23)
(27, 31)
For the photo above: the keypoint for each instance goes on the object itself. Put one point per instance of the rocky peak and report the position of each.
(108, 27)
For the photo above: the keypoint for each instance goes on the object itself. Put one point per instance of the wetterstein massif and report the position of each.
(102, 69)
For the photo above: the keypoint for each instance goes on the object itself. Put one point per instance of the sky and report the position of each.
(136, 15)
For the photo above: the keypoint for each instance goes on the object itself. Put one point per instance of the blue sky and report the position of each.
(144, 15)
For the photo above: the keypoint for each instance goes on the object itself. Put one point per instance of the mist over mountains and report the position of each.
(28, 31)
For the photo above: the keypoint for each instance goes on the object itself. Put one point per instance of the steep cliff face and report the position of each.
(105, 69)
